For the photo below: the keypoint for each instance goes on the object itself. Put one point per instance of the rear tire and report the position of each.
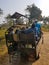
(36, 54)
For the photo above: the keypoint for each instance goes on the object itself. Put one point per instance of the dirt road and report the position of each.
(44, 55)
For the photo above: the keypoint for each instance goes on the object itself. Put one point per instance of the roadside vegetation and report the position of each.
(45, 28)
(2, 32)
(2, 42)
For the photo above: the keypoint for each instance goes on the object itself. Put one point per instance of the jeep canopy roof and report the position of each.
(17, 15)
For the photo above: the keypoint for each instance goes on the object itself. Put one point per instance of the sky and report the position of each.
(12, 6)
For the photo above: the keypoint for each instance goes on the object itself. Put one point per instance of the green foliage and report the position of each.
(45, 19)
(9, 20)
(2, 33)
(2, 42)
(1, 11)
(33, 12)
(45, 28)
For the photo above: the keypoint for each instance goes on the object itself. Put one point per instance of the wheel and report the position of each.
(36, 54)
(10, 58)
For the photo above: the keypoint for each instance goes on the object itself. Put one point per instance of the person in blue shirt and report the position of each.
(37, 30)
(38, 26)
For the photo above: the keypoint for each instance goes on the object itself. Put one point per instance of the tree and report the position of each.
(1, 11)
(33, 12)
(9, 20)
(45, 19)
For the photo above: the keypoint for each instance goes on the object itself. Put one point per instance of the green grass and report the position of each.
(45, 28)
(2, 33)
(3, 48)
(2, 42)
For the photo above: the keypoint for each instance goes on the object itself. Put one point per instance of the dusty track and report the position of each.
(44, 54)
